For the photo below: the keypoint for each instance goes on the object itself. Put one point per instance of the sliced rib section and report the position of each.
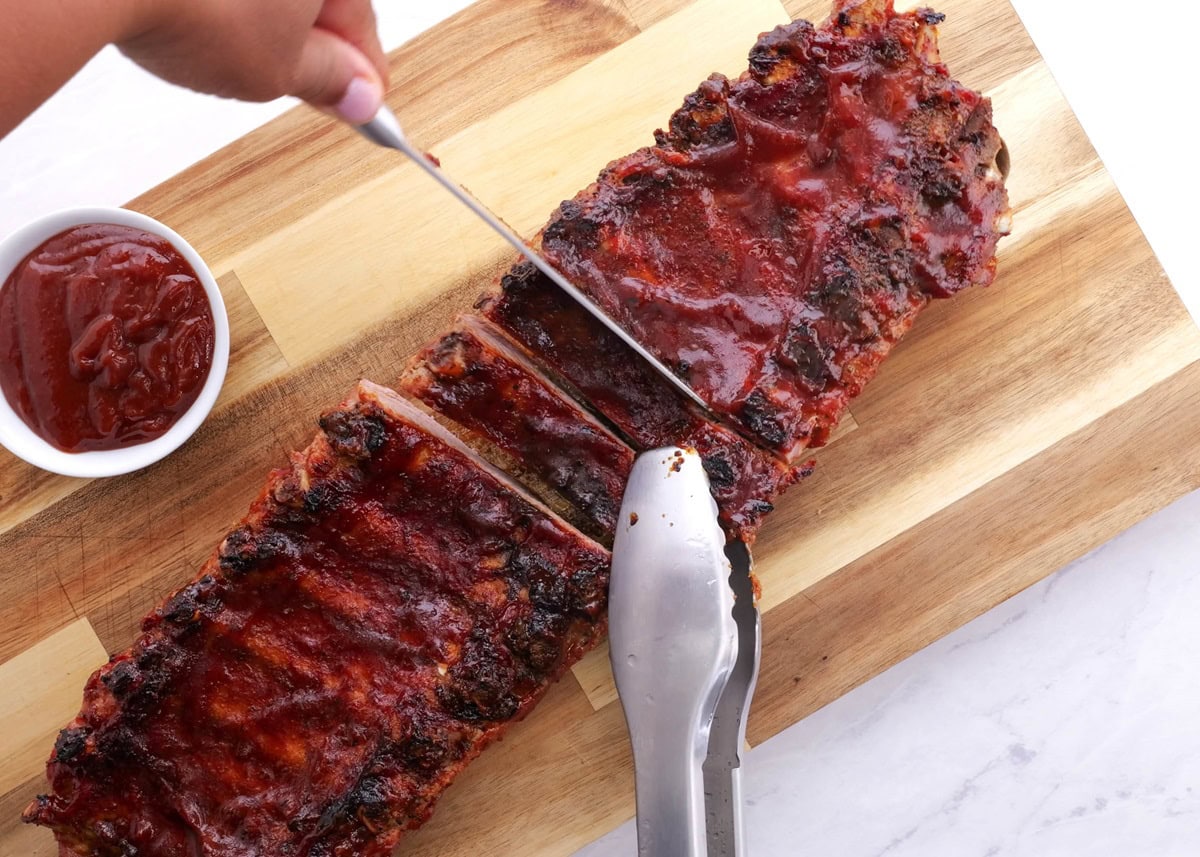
(477, 378)
(621, 386)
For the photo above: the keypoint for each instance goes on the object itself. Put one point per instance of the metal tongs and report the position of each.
(683, 627)
(684, 639)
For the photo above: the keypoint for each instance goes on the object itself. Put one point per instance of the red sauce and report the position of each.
(106, 338)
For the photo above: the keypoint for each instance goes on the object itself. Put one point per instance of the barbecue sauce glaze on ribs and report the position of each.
(476, 378)
(473, 376)
(352, 645)
(391, 602)
(788, 226)
(745, 480)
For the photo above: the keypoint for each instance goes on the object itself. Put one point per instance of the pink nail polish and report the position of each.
(361, 101)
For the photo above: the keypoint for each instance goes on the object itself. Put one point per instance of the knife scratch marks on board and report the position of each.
(58, 579)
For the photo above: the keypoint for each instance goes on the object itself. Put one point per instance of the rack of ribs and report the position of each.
(351, 645)
(788, 226)
(393, 600)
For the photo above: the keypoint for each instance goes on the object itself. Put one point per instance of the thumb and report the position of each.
(337, 77)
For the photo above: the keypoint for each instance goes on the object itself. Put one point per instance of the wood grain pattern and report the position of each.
(390, 259)
(977, 552)
(1014, 429)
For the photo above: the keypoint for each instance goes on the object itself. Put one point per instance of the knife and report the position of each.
(385, 130)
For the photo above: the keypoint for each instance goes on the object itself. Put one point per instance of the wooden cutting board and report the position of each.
(1016, 427)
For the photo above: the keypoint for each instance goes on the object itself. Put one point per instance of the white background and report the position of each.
(1064, 722)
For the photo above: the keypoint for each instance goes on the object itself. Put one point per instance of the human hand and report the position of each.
(326, 52)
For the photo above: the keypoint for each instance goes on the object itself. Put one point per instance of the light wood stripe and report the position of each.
(43, 687)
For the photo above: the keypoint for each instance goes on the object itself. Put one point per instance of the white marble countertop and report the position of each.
(1063, 723)
(1066, 721)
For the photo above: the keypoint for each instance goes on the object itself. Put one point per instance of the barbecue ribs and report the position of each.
(349, 648)
(392, 602)
(788, 226)
(645, 408)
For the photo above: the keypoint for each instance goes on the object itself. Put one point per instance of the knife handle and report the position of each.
(384, 130)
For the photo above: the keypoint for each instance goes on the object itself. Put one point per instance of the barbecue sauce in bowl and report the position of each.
(106, 338)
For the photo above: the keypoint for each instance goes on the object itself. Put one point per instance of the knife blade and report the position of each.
(385, 131)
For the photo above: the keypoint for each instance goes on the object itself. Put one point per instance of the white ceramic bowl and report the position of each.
(19, 439)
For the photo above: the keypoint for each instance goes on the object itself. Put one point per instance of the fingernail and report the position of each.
(361, 101)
